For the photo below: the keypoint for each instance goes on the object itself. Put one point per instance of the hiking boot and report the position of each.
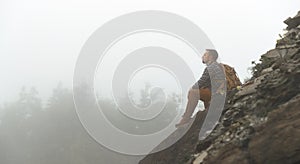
(183, 121)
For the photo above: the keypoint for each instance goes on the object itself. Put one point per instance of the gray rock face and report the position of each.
(261, 122)
(293, 22)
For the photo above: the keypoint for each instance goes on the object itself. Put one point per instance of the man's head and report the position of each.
(210, 55)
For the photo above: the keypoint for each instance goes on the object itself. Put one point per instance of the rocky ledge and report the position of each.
(260, 123)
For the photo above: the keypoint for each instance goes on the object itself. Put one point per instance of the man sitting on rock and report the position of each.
(210, 83)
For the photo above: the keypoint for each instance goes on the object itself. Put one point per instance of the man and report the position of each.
(210, 83)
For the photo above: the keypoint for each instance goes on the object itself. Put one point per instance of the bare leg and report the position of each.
(194, 96)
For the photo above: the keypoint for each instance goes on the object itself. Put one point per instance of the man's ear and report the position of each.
(210, 57)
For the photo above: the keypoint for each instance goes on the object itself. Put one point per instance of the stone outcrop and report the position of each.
(260, 123)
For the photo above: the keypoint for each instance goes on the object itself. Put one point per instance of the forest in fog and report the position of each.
(34, 132)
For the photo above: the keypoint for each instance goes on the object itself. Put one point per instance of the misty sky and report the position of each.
(40, 40)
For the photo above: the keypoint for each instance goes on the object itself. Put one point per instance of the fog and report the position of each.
(41, 40)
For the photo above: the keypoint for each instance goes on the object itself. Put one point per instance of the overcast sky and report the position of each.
(40, 40)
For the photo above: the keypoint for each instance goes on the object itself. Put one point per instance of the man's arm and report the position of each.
(204, 80)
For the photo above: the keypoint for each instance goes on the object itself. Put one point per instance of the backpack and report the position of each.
(232, 80)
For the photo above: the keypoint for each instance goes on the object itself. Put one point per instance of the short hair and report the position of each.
(213, 53)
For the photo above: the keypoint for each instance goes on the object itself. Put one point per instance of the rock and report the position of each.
(272, 54)
(260, 122)
(228, 155)
(249, 89)
(293, 22)
(267, 70)
(279, 140)
(182, 150)
(199, 159)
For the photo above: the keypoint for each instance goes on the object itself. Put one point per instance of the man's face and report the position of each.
(205, 57)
